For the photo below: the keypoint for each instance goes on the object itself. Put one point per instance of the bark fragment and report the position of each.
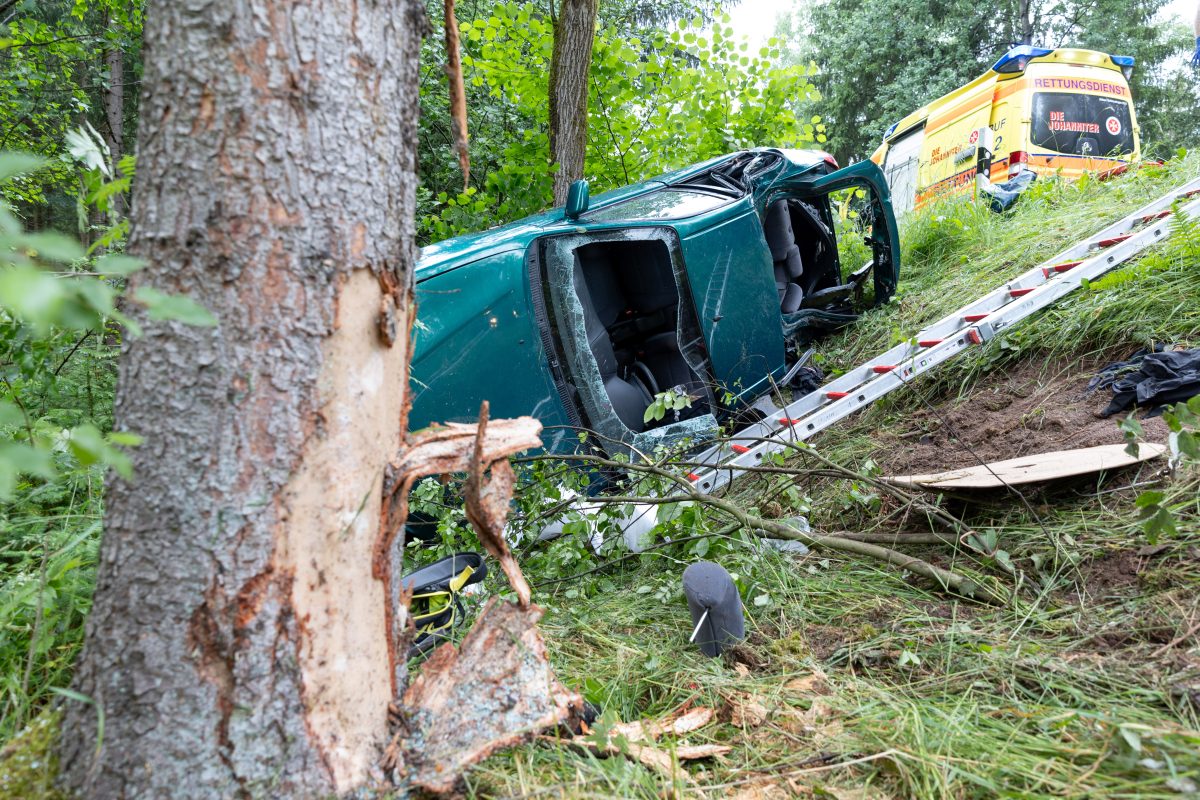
(440, 450)
(493, 691)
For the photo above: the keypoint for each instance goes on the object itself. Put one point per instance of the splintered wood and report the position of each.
(495, 690)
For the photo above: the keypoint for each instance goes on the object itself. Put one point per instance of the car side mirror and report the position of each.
(577, 200)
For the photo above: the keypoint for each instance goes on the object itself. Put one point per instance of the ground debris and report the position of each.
(495, 690)
(636, 740)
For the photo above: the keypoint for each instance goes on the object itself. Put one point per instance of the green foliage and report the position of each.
(53, 77)
(659, 99)
(61, 326)
(670, 400)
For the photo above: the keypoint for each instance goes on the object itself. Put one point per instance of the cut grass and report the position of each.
(1086, 685)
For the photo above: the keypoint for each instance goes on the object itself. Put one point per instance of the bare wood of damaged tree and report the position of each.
(245, 639)
(570, 61)
(458, 93)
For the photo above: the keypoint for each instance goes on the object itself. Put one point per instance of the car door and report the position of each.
(730, 271)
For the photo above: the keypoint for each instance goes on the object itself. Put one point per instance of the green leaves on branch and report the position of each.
(57, 298)
(658, 100)
(670, 400)
(1156, 512)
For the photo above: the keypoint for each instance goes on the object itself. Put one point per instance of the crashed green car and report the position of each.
(700, 284)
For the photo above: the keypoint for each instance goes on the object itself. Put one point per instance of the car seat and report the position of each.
(777, 227)
(628, 400)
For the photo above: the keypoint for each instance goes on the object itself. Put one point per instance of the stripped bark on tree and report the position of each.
(458, 93)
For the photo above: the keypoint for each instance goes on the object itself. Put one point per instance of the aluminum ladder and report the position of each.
(973, 324)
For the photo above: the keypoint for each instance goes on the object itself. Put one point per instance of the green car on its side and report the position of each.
(703, 281)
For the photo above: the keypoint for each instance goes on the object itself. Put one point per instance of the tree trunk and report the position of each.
(114, 102)
(1025, 21)
(114, 116)
(239, 642)
(569, 63)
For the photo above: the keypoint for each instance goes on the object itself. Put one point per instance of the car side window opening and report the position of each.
(621, 320)
(1082, 124)
(631, 307)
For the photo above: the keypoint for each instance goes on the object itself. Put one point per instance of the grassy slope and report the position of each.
(922, 695)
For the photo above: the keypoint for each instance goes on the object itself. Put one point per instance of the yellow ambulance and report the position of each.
(1062, 110)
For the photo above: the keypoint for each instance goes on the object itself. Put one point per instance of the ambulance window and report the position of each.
(1082, 124)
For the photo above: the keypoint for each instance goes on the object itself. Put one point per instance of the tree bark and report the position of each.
(1025, 21)
(114, 102)
(569, 63)
(238, 644)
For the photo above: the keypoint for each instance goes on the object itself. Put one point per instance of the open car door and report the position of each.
(816, 292)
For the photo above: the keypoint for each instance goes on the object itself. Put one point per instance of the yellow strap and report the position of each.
(456, 584)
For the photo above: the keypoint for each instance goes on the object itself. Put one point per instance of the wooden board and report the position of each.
(1033, 468)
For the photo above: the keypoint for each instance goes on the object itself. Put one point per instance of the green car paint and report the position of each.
(479, 335)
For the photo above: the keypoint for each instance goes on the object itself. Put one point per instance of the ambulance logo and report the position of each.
(1113, 125)
(974, 136)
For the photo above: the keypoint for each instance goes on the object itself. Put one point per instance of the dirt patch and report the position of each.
(1114, 574)
(1036, 407)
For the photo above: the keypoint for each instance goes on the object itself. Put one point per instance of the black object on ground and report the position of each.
(716, 607)
(1150, 378)
(436, 607)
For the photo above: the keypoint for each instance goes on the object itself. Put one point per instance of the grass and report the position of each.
(1087, 684)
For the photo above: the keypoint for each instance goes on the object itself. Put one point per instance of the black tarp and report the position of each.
(1150, 378)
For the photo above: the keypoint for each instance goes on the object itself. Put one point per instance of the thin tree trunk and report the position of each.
(114, 114)
(1026, 21)
(114, 102)
(569, 63)
(238, 643)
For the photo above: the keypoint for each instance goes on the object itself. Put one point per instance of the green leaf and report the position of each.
(10, 414)
(174, 307)
(54, 247)
(15, 163)
(1147, 499)
(31, 294)
(87, 444)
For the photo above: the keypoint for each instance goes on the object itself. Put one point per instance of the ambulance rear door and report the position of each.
(951, 140)
(901, 167)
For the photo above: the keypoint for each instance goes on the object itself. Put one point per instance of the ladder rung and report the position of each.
(1020, 292)
(882, 368)
(837, 395)
(786, 421)
(693, 477)
(1110, 242)
(1159, 215)
(930, 342)
(1048, 271)
(976, 317)
(739, 448)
